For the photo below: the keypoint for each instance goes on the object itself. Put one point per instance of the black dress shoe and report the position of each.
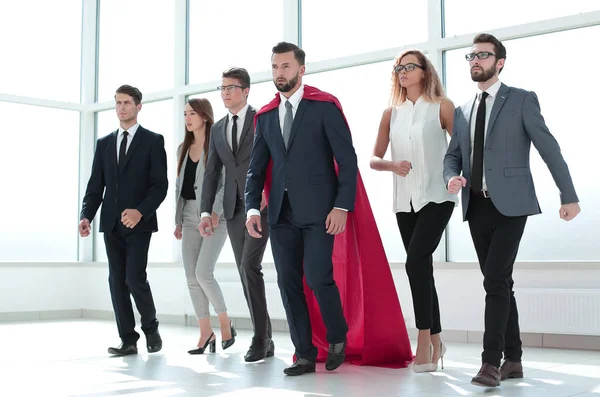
(153, 342)
(226, 344)
(259, 349)
(300, 367)
(124, 350)
(336, 356)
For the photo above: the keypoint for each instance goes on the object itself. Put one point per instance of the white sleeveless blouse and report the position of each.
(416, 136)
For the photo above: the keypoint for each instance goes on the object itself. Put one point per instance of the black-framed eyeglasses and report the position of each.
(229, 88)
(409, 67)
(481, 55)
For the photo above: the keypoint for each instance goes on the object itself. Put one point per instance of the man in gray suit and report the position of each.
(490, 146)
(231, 143)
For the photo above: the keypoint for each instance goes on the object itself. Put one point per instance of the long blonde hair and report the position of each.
(433, 91)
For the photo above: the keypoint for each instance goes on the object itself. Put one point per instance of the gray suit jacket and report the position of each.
(236, 165)
(515, 122)
(218, 203)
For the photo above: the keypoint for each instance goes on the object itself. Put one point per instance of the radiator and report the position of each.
(560, 311)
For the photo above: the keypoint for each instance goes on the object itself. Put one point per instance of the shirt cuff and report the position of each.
(204, 215)
(252, 212)
(341, 209)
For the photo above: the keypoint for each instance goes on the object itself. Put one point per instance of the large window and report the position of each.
(466, 16)
(39, 156)
(40, 57)
(136, 46)
(231, 33)
(156, 117)
(567, 95)
(364, 99)
(333, 29)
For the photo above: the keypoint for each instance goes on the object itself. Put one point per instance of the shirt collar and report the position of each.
(492, 90)
(131, 131)
(241, 114)
(295, 98)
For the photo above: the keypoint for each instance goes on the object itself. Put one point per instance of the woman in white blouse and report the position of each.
(416, 125)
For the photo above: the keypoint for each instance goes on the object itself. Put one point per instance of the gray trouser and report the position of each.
(199, 259)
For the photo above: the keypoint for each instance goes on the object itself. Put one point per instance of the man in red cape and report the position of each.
(377, 333)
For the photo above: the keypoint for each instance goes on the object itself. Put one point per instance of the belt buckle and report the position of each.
(486, 194)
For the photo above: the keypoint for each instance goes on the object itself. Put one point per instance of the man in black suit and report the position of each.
(129, 176)
(230, 147)
(301, 132)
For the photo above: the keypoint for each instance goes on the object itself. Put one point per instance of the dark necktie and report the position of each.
(234, 142)
(123, 150)
(288, 120)
(477, 171)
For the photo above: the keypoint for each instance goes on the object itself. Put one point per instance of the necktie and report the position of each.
(234, 142)
(123, 149)
(477, 171)
(287, 123)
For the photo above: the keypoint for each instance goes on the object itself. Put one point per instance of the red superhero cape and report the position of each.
(377, 333)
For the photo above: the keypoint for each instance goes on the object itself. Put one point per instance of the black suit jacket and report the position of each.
(319, 133)
(142, 184)
(236, 165)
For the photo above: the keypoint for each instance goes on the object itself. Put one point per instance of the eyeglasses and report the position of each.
(409, 67)
(480, 55)
(229, 88)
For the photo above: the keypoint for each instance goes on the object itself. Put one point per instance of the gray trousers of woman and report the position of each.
(199, 259)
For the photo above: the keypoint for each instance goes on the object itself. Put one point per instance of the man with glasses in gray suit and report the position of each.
(490, 147)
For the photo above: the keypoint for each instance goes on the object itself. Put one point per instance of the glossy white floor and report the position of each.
(68, 358)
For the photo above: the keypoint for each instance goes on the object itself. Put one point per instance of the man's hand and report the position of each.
(205, 227)
(455, 184)
(263, 201)
(402, 168)
(177, 233)
(336, 221)
(130, 218)
(84, 227)
(215, 220)
(254, 226)
(569, 211)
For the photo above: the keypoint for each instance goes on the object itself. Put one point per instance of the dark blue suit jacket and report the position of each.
(142, 184)
(319, 133)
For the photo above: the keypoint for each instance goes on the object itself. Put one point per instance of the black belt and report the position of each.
(482, 193)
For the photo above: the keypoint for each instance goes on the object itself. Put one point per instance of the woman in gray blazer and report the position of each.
(200, 254)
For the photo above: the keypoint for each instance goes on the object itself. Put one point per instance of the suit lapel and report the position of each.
(223, 135)
(112, 153)
(297, 120)
(468, 109)
(247, 123)
(135, 143)
(498, 103)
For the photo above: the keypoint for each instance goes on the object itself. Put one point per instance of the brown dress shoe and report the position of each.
(511, 370)
(488, 376)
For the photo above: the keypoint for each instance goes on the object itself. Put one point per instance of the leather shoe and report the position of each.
(488, 376)
(511, 370)
(336, 356)
(300, 367)
(259, 349)
(124, 350)
(153, 342)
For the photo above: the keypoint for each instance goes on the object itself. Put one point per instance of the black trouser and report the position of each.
(127, 253)
(248, 252)
(421, 234)
(496, 238)
(306, 249)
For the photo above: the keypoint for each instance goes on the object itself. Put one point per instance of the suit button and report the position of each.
(117, 185)
(195, 187)
(115, 199)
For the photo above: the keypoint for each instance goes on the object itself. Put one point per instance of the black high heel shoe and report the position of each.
(212, 343)
(226, 344)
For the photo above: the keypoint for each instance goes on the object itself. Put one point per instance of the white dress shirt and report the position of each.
(489, 103)
(240, 125)
(416, 135)
(131, 131)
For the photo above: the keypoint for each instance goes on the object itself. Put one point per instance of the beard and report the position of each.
(485, 74)
(288, 85)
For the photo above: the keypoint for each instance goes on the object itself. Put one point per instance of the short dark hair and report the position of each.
(238, 73)
(283, 47)
(499, 48)
(131, 91)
